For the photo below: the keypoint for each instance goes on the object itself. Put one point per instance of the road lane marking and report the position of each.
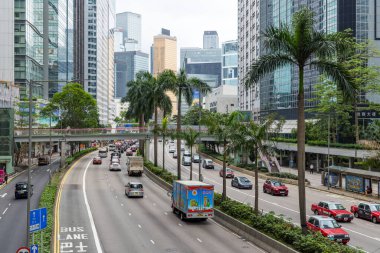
(5, 194)
(199, 240)
(179, 224)
(152, 241)
(165, 213)
(94, 231)
(129, 214)
(139, 225)
(373, 238)
(6, 209)
(122, 204)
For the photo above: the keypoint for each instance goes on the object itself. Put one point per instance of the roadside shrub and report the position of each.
(70, 159)
(283, 175)
(164, 174)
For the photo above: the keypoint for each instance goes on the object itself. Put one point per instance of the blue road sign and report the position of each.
(34, 248)
(38, 219)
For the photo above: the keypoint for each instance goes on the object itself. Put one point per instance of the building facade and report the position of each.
(210, 39)
(277, 92)
(248, 38)
(223, 99)
(165, 58)
(230, 62)
(127, 65)
(130, 25)
(94, 62)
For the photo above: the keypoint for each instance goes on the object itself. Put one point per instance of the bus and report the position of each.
(103, 153)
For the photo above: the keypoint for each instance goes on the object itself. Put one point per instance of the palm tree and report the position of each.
(190, 136)
(164, 131)
(301, 45)
(252, 139)
(225, 127)
(140, 101)
(181, 85)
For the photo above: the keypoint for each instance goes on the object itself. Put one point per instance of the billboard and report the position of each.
(354, 183)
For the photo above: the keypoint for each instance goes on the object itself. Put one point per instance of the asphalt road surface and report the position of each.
(13, 212)
(364, 234)
(96, 216)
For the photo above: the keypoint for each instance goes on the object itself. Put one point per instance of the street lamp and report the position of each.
(199, 136)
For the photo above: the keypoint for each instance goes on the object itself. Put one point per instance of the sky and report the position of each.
(186, 19)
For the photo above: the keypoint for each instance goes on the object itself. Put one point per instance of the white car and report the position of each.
(186, 153)
(115, 160)
(115, 166)
(175, 154)
(172, 149)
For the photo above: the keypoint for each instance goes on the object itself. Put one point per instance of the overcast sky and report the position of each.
(186, 19)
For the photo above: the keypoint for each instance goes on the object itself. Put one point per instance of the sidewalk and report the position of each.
(315, 183)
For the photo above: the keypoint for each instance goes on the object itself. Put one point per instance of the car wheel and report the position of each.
(182, 216)
(356, 214)
(265, 191)
(316, 212)
(374, 220)
(271, 192)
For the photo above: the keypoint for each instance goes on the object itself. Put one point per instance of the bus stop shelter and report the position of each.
(355, 180)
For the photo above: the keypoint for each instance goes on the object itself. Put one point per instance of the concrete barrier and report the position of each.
(260, 239)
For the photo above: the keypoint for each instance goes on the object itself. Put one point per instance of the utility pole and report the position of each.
(199, 136)
(328, 153)
(29, 164)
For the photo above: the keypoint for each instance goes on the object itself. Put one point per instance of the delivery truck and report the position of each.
(135, 165)
(193, 200)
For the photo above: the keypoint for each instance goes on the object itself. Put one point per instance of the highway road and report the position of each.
(364, 234)
(13, 212)
(96, 216)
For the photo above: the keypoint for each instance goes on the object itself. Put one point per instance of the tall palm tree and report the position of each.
(140, 101)
(190, 136)
(302, 46)
(252, 139)
(224, 127)
(182, 86)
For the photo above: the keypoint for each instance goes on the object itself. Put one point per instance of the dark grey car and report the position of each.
(241, 183)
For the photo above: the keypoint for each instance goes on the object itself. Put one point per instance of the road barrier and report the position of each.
(260, 239)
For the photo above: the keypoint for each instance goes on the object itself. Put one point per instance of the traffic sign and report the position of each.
(23, 250)
(34, 248)
(38, 219)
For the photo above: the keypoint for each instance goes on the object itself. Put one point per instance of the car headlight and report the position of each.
(330, 236)
(346, 236)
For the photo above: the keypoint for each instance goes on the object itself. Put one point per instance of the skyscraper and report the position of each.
(248, 34)
(94, 62)
(130, 25)
(210, 39)
(165, 58)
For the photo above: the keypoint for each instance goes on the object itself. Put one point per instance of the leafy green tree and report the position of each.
(302, 46)
(190, 136)
(183, 87)
(78, 108)
(225, 128)
(164, 131)
(192, 115)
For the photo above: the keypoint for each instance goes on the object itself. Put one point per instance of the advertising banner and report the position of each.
(354, 183)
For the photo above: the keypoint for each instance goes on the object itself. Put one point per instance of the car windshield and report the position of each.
(115, 164)
(336, 207)
(229, 170)
(21, 187)
(277, 184)
(136, 186)
(187, 159)
(244, 179)
(329, 224)
(209, 162)
(375, 207)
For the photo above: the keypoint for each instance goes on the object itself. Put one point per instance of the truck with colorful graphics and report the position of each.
(193, 200)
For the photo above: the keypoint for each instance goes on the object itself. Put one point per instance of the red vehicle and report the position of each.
(97, 160)
(332, 209)
(229, 173)
(367, 211)
(275, 188)
(329, 228)
(129, 152)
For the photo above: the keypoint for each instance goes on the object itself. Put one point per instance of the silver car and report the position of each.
(115, 166)
(134, 189)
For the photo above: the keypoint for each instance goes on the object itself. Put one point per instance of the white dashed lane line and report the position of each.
(139, 225)
(152, 241)
(6, 209)
(199, 240)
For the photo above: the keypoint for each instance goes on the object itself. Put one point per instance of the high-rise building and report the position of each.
(248, 35)
(230, 62)
(165, 58)
(210, 39)
(93, 56)
(130, 25)
(277, 91)
(127, 65)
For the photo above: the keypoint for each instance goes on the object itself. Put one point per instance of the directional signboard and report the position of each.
(34, 248)
(38, 219)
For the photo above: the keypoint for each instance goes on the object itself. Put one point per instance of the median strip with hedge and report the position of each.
(276, 227)
(48, 200)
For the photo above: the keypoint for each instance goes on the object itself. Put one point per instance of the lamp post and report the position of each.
(199, 136)
(328, 153)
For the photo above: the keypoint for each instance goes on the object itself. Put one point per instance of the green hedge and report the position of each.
(70, 159)
(285, 175)
(164, 174)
